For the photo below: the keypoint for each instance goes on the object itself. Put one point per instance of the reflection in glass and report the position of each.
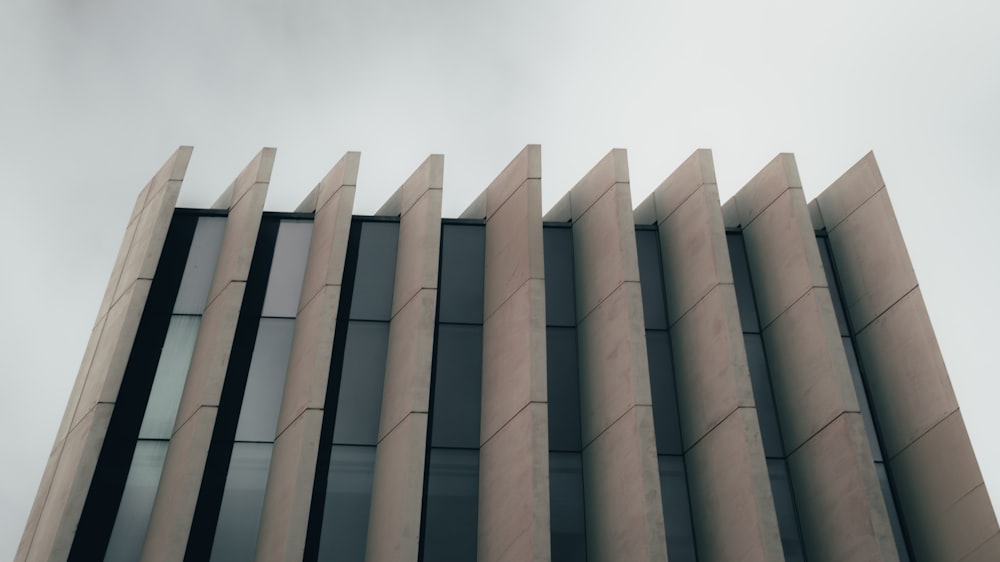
(452, 501)
(284, 283)
(569, 536)
(460, 298)
(348, 499)
(741, 277)
(359, 402)
(242, 502)
(457, 382)
(651, 278)
(265, 380)
(560, 295)
(129, 532)
(168, 381)
(676, 509)
(376, 271)
(664, 393)
(200, 266)
(563, 389)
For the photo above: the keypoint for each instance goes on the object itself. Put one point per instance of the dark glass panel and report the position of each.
(284, 283)
(676, 509)
(563, 389)
(242, 502)
(560, 294)
(460, 298)
(265, 380)
(567, 520)
(760, 380)
(890, 506)
(654, 308)
(168, 381)
(831, 281)
(741, 277)
(664, 393)
(359, 401)
(784, 506)
(376, 271)
(200, 266)
(452, 506)
(859, 388)
(457, 381)
(129, 532)
(348, 500)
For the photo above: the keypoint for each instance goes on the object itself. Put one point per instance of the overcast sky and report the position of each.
(95, 95)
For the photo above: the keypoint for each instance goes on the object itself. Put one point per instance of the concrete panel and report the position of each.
(180, 482)
(816, 216)
(698, 170)
(611, 171)
(850, 191)
(288, 496)
(210, 358)
(763, 189)
(730, 215)
(112, 352)
(527, 165)
(560, 212)
(245, 201)
(513, 246)
(36, 508)
(428, 176)
(116, 271)
(70, 483)
(604, 251)
(343, 174)
(731, 505)
(783, 255)
(81, 379)
(614, 373)
(622, 491)
(418, 250)
(150, 234)
(710, 364)
(989, 551)
(513, 357)
(408, 362)
(874, 267)
(841, 511)
(940, 489)
(810, 376)
(907, 379)
(514, 489)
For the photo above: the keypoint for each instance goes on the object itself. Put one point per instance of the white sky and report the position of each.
(94, 96)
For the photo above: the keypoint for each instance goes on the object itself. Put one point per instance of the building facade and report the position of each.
(689, 380)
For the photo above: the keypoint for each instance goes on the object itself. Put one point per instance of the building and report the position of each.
(751, 381)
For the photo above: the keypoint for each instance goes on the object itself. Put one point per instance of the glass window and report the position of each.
(376, 271)
(560, 294)
(265, 380)
(460, 298)
(452, 506)
(359, 402)
(859, 388)
(129, 532)
(676, 509)
(567, 520)
(242, 502)
(664, 393)
(284, 283)
(563, 389)
(784, 505)
(200, 266)
(760, 380)
(168, 381)
(831, 281)
(348, 500)
(744, 288)
(457, 381)
(654, 309)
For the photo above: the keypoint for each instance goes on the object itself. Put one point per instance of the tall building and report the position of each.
(757, 380)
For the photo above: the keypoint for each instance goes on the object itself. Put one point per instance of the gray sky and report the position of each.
(96, 95)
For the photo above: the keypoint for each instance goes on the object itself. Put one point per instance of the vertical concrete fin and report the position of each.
(177, 494)
(718, 418)
(53, 519)
(621, 476)
(288, 495)
(397, 489)
(939, 486)
(840, 507)
(513, 466)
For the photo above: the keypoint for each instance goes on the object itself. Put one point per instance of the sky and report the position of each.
(96, 95)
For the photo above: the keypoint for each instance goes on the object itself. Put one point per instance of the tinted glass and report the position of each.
(560, 295)
(200, 265)
(744, 288)
(359, 402)
(137, 501)
(457, 381)
(831, 281)
(890, 505)
(676, 509)
(266, 380)
(242, 502)
(452, 509)
(664, 393)
(460, 297)
(784, 505)
(647, 243)
(760, 379)
(348, 500)
(168, 381)
(567, 520)
(859, 387)
(376, 271)
(284, 283)
(563, 389)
